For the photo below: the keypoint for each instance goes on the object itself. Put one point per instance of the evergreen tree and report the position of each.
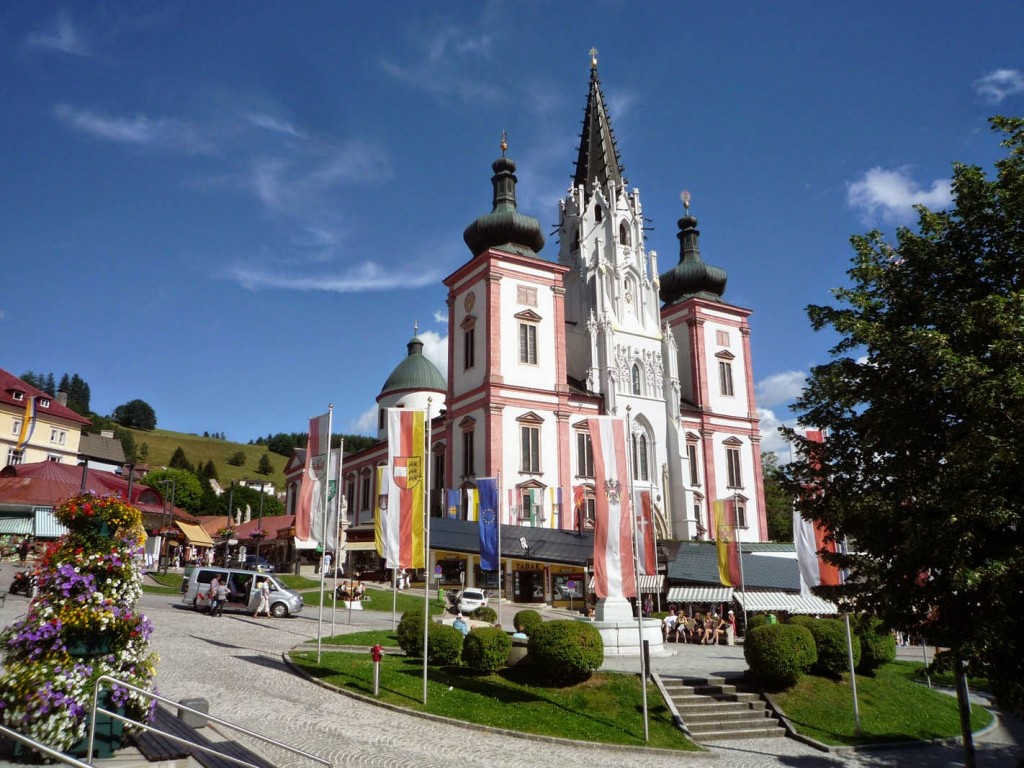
(51, 387)
(923, 403)
(143, 453)
(210, 470)
(180, 461)
(265, 467)
(127, 443)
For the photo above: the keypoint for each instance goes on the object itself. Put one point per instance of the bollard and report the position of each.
(376, 653)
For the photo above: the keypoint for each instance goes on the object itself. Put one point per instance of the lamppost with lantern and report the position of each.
(167, 518)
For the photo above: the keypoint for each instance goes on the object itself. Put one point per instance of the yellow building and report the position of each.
(52, 431)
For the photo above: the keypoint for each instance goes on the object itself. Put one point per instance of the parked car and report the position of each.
(261, 564)
(468, 600)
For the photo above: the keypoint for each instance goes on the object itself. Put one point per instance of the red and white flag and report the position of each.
(314, 478)
(613, 543)
(645, 536)
(811, 540)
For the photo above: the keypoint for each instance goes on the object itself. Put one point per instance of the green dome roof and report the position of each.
(691, 276)
(415, 372)
(504, 228)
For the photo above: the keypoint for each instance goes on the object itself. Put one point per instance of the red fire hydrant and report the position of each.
(376, 653)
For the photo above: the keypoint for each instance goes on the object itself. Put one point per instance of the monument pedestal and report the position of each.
(618, 627)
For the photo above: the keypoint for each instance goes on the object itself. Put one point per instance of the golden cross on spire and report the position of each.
(504, 143)
(593, 58)
(415, 327)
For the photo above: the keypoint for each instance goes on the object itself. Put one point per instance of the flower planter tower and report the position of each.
(82, 624)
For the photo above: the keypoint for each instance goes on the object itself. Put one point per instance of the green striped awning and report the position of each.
(17, 526)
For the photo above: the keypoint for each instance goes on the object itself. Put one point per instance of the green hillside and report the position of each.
(199, 450)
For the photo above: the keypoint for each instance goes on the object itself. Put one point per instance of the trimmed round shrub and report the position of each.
(484, 613)
(759, 620)
(527, 621)
(877, 646)
(564, 651)
(830, 642)
(410, 633)
(778, 654)
(486, 649)
(445, 644)
(802, 620)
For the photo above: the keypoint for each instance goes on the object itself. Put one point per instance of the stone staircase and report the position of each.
(714, 709)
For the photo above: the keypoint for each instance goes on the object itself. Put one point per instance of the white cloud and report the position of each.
(61, 36)
(780, 388)
(435, 349)
(366, 424)
(164, 133)
(891, 195)
(771, 440)
(361, 278)
(441, 316)
(273, 124)
(999, 84)
(448, 65)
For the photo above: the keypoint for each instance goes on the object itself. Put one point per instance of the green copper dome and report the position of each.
(504, 228)
(415, 372)
(691, 276)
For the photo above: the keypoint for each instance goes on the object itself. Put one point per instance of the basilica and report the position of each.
(541, 338)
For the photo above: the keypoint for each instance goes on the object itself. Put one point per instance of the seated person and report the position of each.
(461, 625)
(713, 629)
(359, 590)
(670, 626)
(519, 634)
(698, 628)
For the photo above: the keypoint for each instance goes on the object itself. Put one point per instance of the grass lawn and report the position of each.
(913, 670)
(167, 584)
(369, 637)
(607, 708)
(376, 600)
(892, 708)
(292, 581)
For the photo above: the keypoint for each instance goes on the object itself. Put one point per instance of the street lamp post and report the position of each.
(260, 526)
(167, 518)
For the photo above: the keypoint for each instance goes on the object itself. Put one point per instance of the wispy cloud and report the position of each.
(274, 124)
(366, 423)
(441, 316)
(1000, 84)
(771, 440)
(165, 133)
(780, 388)
(61, 36)
(435, 349)
(892, 195)
(447, 63)
(362, 278)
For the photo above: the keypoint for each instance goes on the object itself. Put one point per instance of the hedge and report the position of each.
(830, 642)
(564, 651)
(758, 620)
(445, 644)
(527, 621)
(410, 633)
(486, 649)
(484, 613)
(877, 646)
(778, 654)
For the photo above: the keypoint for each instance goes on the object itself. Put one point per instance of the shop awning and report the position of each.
(359, 546)
(652, 583)
(18, 526)
(47, 526)
(195, 534)
(700, 593)
(791, 602)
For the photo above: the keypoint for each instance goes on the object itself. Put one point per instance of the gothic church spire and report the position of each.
(598, 158)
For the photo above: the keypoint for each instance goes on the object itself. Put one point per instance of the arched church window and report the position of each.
(634, 376)
(623, 234)
(598, 213)
(640, 458)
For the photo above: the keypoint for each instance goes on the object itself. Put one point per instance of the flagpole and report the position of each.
(636, 571)
(426, 550)
(336, 560)
(849, 653)
(499, 546)
(739, 556)
(323, 534)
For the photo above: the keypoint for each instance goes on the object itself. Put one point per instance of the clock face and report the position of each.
(469, 302)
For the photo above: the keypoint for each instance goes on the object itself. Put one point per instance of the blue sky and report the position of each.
(237, 211)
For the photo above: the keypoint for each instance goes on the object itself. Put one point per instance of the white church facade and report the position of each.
(539, 342)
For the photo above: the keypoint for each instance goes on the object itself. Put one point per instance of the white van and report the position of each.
(242, 591)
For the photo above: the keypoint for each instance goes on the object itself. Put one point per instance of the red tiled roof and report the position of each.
(49, 483)
(9, 383)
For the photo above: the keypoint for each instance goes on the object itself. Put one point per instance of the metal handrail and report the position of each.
(40, 747)
(157, 697)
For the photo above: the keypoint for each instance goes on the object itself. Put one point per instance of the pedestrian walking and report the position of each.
(263, 585)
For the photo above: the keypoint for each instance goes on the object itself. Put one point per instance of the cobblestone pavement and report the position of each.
(235, 663)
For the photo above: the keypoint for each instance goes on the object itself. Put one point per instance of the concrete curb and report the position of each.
(488, 728)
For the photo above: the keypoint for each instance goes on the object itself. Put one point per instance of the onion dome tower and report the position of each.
(504, 228)
(413, 381)
(691, 277)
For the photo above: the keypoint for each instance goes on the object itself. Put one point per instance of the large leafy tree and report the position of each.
(188, 493)
(137, 414)
(923, 402)
(777, 501)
